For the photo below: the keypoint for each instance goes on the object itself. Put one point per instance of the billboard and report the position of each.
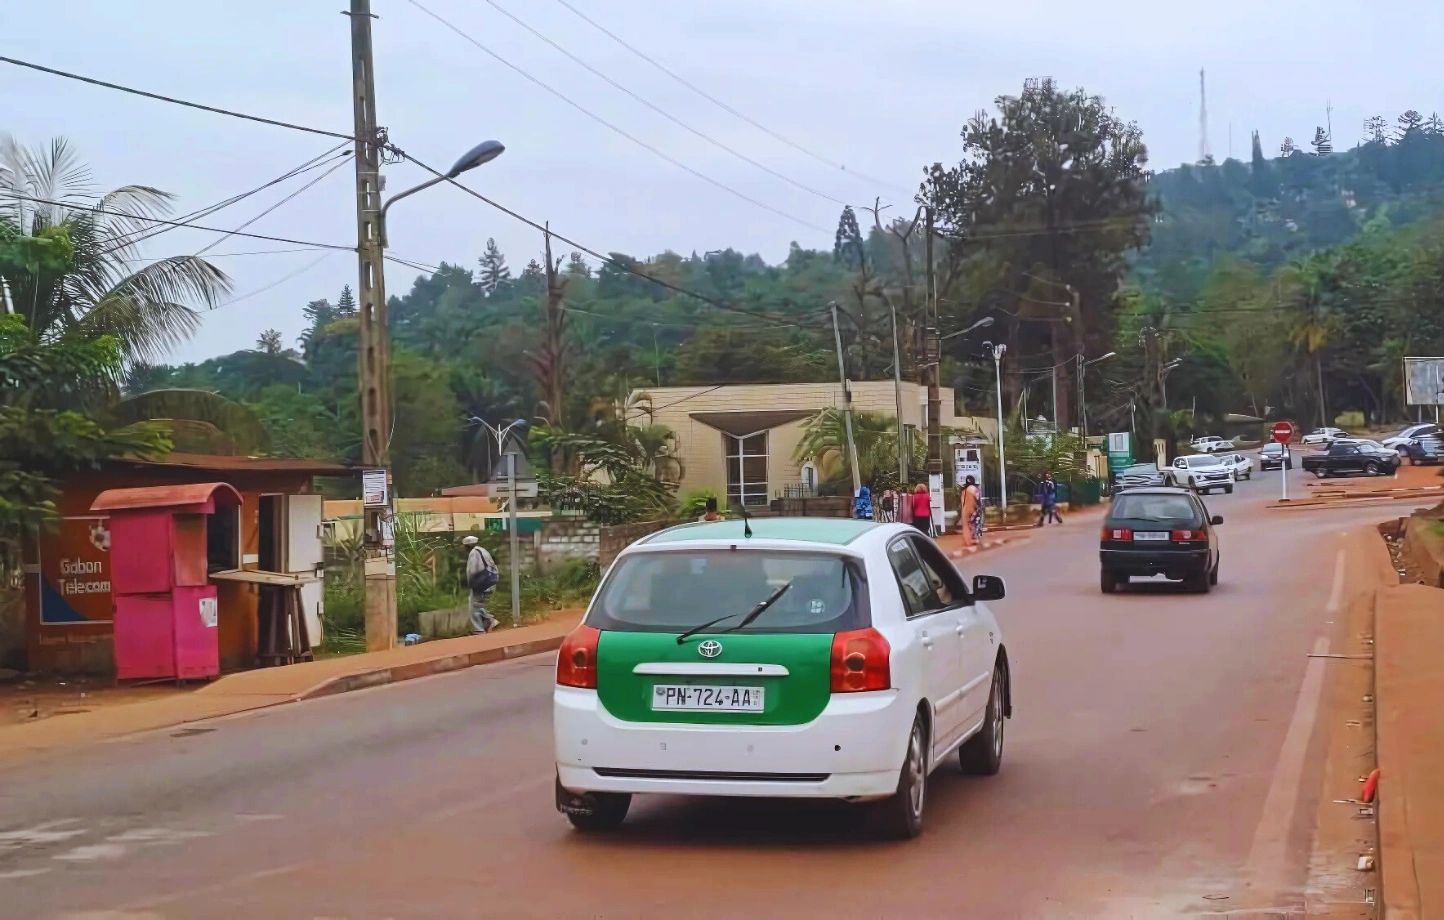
(75, 573)
(1424, 381)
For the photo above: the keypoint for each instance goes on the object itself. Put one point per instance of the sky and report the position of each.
(881, 89)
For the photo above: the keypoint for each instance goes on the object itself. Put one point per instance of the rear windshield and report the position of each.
(1153, 508)
(677, 590)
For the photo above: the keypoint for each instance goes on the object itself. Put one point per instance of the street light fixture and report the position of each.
(980, 324)
(500, 434)
(997, 351)
(1082, 403)
(479, 155)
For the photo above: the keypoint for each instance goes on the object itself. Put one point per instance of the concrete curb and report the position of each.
(382, 676)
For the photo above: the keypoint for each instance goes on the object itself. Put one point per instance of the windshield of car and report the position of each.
(1273, 448)
(1143, 469)
(676, 590)
(1205, 460)
(1159, 507)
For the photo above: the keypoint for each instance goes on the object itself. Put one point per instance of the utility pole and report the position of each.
(934, 355)
(374, 352)
(902, 445)
(997, 351)
(846, 401)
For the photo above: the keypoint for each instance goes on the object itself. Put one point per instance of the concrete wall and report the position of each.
(617, 538)
(564, 539)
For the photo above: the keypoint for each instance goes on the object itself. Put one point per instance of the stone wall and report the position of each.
(617, 538)
(564, 539)
(839, 506)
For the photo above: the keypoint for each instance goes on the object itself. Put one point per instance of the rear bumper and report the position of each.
(1172, 563)
(854, 749)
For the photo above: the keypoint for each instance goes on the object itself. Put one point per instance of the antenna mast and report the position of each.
(1204, 153)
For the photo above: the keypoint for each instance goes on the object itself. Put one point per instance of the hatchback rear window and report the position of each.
(675, 590)
(1153, 508)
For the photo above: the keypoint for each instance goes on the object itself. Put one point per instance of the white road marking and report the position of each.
(39, 835)
(1267, 857)
(1336, 594)
(91, 852)
(21, 873)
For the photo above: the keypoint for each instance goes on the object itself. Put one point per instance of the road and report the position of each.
(1150, 771)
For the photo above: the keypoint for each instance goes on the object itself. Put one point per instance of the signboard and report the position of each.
(1424, 381)
(75, 573)
(1283, 432)
(373, 489)
(967, 461)
(935, 496)
(1120, 451)
(524, 489)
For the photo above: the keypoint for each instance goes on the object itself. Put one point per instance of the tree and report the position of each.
(1376, 129)
(494, 273)
(269, 342)
(91, 290)
(1053, 192)
(847, 244)
(1410, 123)
(577, 266)
(824, 442)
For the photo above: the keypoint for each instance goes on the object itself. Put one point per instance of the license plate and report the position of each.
(1145, 536)
(707, 699)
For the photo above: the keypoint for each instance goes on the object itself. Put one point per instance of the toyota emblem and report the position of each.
(710, 649)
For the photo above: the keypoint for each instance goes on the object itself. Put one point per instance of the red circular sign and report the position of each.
(1283, 432)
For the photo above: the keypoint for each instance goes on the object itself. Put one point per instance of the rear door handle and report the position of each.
(927, 642)
(961, 629)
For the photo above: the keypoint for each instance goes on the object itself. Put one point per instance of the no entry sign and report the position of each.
(1283, 432)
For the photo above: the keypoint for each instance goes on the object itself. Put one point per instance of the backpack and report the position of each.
(484, 580)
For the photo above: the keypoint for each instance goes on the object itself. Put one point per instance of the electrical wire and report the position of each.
(729, 109)
(278, 204)
(279, 281)
(609, 125)
(173, 100)
(663, 112)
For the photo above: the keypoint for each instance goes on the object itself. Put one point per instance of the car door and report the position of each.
(936, 627)
(975, 646)
(1349, 460)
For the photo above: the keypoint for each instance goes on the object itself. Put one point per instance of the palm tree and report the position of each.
(824, 442)
(48, 194)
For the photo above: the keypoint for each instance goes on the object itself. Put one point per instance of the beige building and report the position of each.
(741, 440)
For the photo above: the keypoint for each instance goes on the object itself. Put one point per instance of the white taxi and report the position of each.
(789, 657)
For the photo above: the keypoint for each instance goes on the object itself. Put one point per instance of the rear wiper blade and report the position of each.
(707, 625)
(757, 611)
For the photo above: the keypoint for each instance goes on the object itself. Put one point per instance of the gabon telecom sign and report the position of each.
(75, 573)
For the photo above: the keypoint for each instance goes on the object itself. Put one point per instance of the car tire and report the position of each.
(982, 754)
(1107, 581)
(607, 815)
(1197, 583)
(1371, 468)
(1228, 490)
(1213, 575)
(900, 815)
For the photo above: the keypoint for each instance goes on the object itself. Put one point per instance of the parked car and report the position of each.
(1201, 473)
(1139, 476)
(1423, 450)
(1165, 532)
(1241, 466)
(1275, 455)
(1210, 444)
(1344, 458)
(1324, 435)
(1401, 438)
(781, 657)
(1366, 442)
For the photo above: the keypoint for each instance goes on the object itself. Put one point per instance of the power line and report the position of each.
(279, 281)
(664, 113)
(602, 121)
(283, 201)
(615, 263)
(727, 108)
(174, 101)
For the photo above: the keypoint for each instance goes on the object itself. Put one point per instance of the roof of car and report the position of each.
(838, 531)
(1158, 490)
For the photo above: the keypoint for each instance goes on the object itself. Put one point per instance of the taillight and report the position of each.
(1115, 533)
(1188, 536)
(860, 661)
(577, 658)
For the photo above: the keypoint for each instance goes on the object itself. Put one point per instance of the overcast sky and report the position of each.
(881, 88)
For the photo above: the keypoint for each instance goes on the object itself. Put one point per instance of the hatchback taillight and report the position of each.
(1115, 533)
(860, 661)
(1188, 536)
(577, 658)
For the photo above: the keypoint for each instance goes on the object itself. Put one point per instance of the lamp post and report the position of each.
(997, 351)
(1082, 405)
(500, 434)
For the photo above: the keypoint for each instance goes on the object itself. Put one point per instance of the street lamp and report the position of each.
(479, 155)
(1082, 404)
(1163, 380)
(980, 324)
(997, 351)
(500, 434)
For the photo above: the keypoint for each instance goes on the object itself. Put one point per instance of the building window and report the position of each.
(746, 469)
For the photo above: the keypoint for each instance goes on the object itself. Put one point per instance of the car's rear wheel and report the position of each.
(1107, 581)
(607, 812)
(900, 815)
(1213, 576)
(1198, 583)
(982, 754)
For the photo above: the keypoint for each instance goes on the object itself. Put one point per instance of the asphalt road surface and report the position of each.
(1150, 771)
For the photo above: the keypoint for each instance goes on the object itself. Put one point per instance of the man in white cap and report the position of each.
(481, 577)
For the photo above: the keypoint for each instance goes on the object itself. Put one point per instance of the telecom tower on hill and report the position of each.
(1205, 153)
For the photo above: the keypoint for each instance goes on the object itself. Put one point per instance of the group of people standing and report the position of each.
(916, 508)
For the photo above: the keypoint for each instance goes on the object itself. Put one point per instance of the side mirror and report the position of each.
(1216, 520)
(988, 588)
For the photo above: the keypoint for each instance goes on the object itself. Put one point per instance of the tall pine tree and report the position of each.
(494, 273)
(847, 244)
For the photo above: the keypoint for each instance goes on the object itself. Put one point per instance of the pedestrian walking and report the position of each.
(922, 504)
(862, 504)
(887, 506)
(710, 513)
(970, 512)
(1048, 499)
(481, 578)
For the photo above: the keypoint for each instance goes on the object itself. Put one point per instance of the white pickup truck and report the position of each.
(1201, 473)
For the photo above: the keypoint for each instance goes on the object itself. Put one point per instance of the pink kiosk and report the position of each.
(164, 604)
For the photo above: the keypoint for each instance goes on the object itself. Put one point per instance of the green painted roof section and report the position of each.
(838, 531)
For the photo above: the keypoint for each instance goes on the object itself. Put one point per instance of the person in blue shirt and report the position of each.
(1048, 499)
